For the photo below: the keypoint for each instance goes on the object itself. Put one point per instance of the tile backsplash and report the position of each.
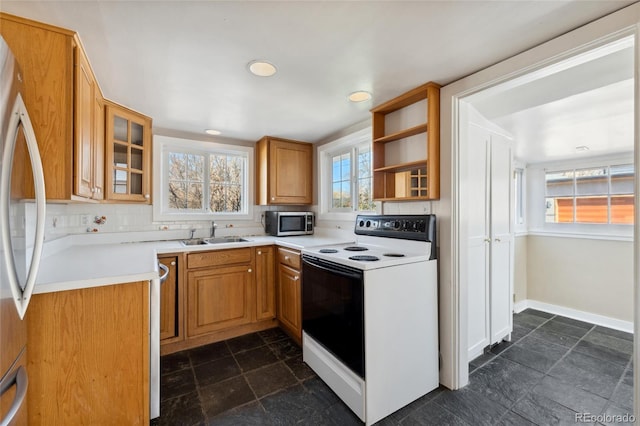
(67, 219)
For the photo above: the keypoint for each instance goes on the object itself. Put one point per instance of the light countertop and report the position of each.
(76, 262)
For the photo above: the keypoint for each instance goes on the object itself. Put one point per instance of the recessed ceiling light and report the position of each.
(212, 132)
(582, 148)
(262, 68)
(359, 96)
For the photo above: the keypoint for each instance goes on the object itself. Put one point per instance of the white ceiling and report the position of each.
(184, 62)
(584, 101)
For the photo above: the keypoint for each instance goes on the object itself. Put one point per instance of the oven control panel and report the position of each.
(410, 227)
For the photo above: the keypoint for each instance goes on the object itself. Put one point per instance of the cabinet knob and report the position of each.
(487, 240)
(93, 190)
(249, 270)
(497, 240)
(296, 278)
(147, 196)
(273, 198)
(286, 258)
(173, 263)
(259, 252)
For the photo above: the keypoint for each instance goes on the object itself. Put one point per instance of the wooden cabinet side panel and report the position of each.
(265, 283)
(84, 132)
(46, 58)
(262, 171)
(88, 356)
(98, 157)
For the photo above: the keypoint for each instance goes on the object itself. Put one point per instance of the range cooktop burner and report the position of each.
(356, 248)
(328, 251)
(364, 258)
(394, 255)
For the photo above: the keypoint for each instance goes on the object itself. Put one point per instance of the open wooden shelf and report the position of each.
(395, 182)
(403, 134)
(402, 167)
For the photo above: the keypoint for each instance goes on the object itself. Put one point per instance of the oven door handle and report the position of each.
(333, 268)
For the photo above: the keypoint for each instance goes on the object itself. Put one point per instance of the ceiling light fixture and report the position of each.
(582, 148)
(262, 68)
(359, 96)
(212, 132)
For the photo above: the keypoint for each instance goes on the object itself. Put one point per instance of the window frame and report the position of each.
(162, 145)
(536, 200)
(349, 143)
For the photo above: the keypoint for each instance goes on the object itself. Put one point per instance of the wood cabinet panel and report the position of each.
(218, 258)
(219, 298)
(45, 54)
(88, 358)
(169, 300)
(289, 257)
(289, 301)
(284, 171)
(265, 283)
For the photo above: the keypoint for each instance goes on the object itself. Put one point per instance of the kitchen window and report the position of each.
(346, 177)
(198, 179)
(594, 195)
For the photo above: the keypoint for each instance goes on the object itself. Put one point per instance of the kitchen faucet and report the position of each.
(193, 231)
(213, 229)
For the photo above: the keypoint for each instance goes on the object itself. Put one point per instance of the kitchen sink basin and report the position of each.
(223, 240)
(206, 241)
(194, 242)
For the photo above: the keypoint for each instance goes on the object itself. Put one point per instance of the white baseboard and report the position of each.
(575, 314)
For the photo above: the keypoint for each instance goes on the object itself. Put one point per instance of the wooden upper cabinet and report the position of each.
(67, 111)
(88, 132)
(406, 146)
(46, 56)
(284, 172)
(128, 146)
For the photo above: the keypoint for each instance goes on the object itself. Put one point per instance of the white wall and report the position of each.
(520, 269)
(589, 275)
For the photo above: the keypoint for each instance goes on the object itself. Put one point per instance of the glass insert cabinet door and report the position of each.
(128, 155)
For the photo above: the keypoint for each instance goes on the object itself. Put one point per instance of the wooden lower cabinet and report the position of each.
(265, 283)
(219, 298)
(227, 293)
(170, 326)
(289, 291)
(88, 356)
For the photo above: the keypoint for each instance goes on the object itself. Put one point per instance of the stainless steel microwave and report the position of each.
(282, 224)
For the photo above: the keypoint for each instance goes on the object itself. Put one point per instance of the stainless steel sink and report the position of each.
(206, 241)
(222, 240)
(194, 242)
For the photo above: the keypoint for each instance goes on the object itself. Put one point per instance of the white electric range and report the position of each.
(370, 314)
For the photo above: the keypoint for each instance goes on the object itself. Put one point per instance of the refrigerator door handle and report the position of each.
(19, 115)
(18, 379)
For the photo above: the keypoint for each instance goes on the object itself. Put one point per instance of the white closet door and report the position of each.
(501, 238)
(478, 330)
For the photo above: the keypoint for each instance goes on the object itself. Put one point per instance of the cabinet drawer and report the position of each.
(289, 257)
(218, 257)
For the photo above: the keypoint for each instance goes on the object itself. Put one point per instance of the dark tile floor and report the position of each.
(553, 368)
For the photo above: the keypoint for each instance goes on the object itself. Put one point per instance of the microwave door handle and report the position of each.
(19, 115)
(333, 270)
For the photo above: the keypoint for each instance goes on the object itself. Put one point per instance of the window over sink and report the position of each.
(194, 180)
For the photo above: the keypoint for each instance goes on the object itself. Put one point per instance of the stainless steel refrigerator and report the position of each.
(22, 218)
